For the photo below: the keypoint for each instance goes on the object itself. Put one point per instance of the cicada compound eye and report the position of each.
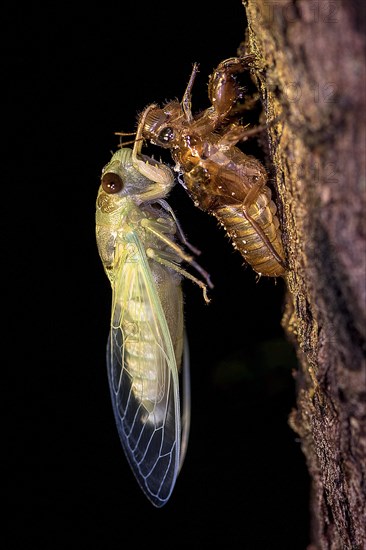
(112, 183)
(166, 135)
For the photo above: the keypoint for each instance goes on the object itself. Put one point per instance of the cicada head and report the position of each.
(117, 177)
(162, 126)
(140, 177)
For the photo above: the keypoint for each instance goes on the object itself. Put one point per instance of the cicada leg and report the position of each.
(238, 132)
(180, 232)
(169, 258)
(223, 89)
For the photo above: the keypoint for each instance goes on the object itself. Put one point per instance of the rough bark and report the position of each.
(310, 70)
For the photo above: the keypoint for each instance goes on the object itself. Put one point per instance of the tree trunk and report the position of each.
(310, 71)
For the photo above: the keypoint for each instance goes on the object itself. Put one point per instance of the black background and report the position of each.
(73, 78)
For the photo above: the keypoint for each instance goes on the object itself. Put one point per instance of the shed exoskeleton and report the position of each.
(218, 176)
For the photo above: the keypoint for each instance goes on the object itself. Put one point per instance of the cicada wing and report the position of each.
(143, 378)
(186, 402)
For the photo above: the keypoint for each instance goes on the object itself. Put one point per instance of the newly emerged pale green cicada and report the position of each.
(137, 237)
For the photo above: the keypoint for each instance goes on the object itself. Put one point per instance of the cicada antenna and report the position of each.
(124, 133)
(139, 137)
(123, 143)
(132, 141)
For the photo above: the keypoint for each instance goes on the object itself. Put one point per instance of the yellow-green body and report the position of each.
(135, 231)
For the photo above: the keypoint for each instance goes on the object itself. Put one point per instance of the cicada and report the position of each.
(140, 243)
(219, 177)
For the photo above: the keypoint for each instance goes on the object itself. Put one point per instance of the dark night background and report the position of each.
(73, 78)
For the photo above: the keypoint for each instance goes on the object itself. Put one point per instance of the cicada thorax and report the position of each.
(233, 187)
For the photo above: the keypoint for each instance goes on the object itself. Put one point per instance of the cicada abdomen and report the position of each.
(258, 240)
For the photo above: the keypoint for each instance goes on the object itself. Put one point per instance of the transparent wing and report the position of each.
(143, 377)
(186, 402)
